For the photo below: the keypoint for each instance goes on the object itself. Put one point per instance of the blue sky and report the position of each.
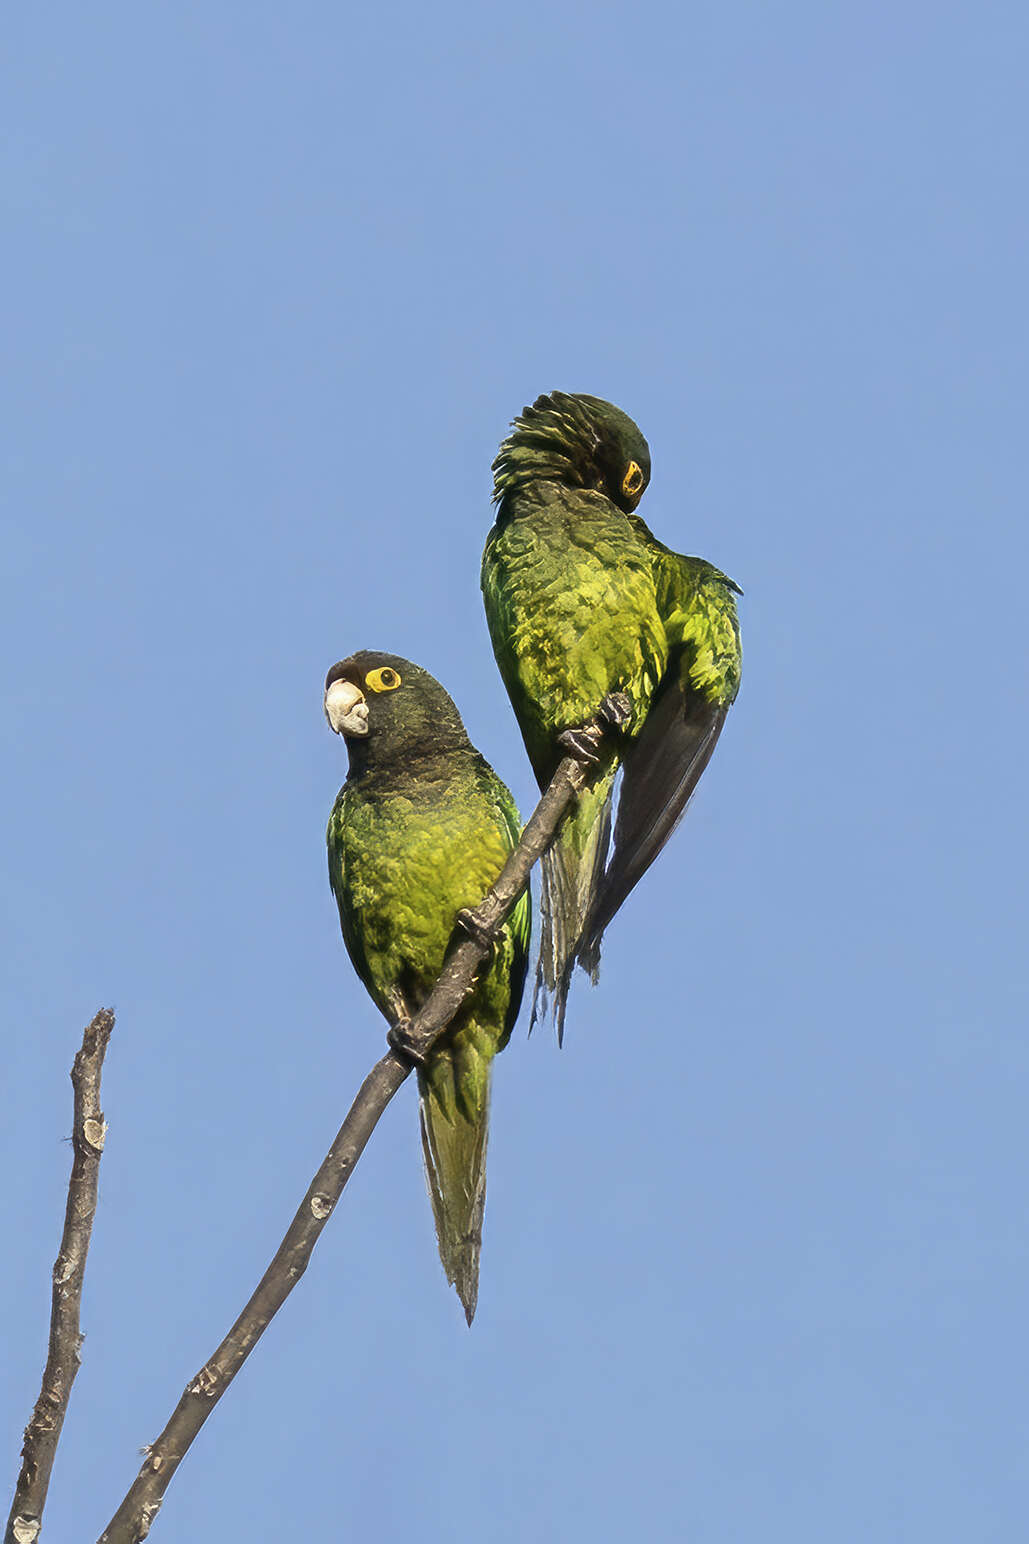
(756, 1258)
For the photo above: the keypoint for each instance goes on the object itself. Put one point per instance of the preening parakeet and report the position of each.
(420, 830)
(583, 601)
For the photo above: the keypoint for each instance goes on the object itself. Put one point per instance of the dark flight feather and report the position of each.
(660, 771)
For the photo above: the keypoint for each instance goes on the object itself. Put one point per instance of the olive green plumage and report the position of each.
(421, 828)
(581, 601)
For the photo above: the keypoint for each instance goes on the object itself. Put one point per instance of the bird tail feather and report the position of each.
(455, 1131)
(572, 870)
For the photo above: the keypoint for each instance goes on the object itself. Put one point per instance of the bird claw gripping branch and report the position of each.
(616, 710)
(584, 742)
(400, 1039)
(482, 933)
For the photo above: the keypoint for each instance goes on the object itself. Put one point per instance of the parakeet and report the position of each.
(583, 604)
(420, 830)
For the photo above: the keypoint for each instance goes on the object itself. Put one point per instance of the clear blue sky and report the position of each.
(756, 1258)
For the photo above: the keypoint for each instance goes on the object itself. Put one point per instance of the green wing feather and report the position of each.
(662, 766)
(519, 918)
(338, 883)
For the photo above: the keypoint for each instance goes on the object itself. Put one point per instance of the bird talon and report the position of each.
(583, 744)
(616, 710)
(401, 1040)
(478, 931)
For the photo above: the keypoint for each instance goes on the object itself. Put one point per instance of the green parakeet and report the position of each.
(420, 830)
(583, 602)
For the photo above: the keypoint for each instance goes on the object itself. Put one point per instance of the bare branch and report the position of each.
(131, 1522)
(44, 1429)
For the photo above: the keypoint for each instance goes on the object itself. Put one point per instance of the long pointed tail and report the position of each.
(571, 872)
(455, 1130)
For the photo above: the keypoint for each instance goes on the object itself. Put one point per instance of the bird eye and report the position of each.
(632, 482)
(384, 680)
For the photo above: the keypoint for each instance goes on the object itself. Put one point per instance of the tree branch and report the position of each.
(44, 1429)
(131, 1522)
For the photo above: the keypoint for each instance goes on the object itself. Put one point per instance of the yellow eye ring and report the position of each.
(383, 680)
(632, 482)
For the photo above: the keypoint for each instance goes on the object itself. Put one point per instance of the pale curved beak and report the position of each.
(346, 709)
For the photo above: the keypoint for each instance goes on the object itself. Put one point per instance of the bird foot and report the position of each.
(583, 743)
(478, 931)
(401, 1040)
(615, 712)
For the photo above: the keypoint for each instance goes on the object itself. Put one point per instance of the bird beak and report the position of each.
(346, 709)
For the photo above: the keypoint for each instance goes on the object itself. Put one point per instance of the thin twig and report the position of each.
(131, 1522)
(44, 1429)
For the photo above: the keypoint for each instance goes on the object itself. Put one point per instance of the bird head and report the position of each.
(581, 441)
(387, 709)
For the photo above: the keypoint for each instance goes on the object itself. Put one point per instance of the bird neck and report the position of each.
(408, 762)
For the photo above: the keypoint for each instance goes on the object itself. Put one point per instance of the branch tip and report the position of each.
(44, 1429)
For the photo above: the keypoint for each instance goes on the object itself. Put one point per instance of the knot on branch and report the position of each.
(94, 1132)
(206, 1382)
(146, 1517)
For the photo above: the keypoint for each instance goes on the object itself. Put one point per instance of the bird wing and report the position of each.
(338, 881)
(660, 770)
(519, 918)
(663, 765)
